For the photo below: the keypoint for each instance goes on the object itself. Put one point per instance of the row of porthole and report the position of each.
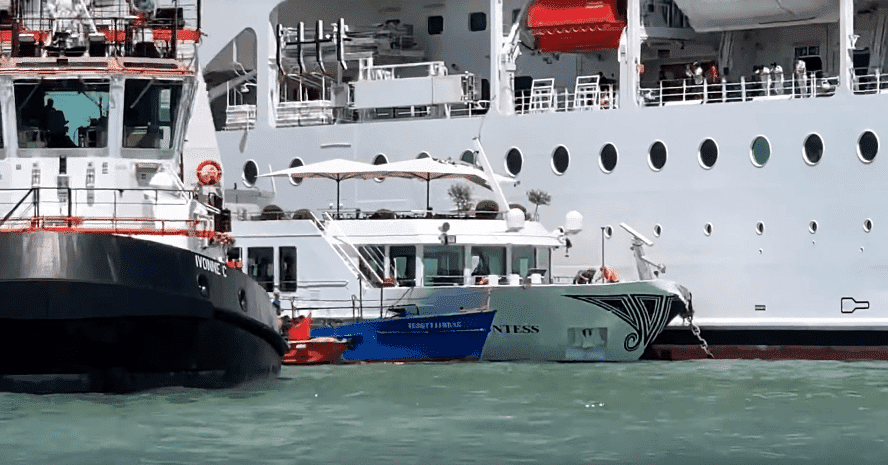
(759, 228)
(759, 152)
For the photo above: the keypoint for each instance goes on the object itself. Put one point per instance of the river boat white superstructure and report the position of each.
(113, 271)
(744, 136)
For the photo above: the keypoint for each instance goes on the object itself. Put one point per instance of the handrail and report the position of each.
(343, 238)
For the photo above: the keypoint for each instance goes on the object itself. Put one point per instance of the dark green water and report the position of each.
(720, 412)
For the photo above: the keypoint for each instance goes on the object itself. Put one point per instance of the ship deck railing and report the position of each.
(383, 214)
(875, 82)
(587, 94)
(783, 87)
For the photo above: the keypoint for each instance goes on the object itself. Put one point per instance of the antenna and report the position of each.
(637, 235)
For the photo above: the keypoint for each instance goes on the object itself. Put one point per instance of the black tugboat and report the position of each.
(113, 272)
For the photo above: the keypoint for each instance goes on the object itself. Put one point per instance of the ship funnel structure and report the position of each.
(573, 26)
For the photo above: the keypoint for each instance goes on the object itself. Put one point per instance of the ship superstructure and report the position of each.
(746, 136)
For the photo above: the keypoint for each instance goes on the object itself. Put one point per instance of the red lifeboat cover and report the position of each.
(575, 25)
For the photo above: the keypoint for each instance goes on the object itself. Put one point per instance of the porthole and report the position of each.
(812, 227)
(250, 173)
(760, 151)
(658, 230)
(707, 229)
(203, 285)
(560, 160)
(380, 159)
(760, 228)
(608, 231)
(657, 156)
(708, 153)
(514, 160)
(867, 225)
(296, 163)
(468, 156)
(423, 155)
(607, 158)
(813, 149)
(867, 146)
(242, 299)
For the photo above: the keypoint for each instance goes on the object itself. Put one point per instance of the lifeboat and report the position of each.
(575, 25)
(305, 350)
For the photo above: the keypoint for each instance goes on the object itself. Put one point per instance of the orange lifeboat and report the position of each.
(575, 25)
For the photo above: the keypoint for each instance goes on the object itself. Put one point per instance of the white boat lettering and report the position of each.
(204, 263)
(436, 325)
(516, 329)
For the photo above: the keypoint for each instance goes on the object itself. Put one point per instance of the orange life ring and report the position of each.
(609, 275)
(209, 172)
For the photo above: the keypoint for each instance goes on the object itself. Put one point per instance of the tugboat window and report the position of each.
(260, 266)
(250, 173)
(514, 160)
(149, 113)
(868, 146)
(287, 259)
(68, 113)
(813, 149)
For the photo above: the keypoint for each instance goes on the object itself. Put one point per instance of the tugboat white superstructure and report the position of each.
(745, 135)
(113, 275)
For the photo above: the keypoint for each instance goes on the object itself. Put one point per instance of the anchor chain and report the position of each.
(689, 319)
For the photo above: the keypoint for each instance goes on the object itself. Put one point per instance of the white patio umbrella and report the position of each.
(337, 169)
(429, 169)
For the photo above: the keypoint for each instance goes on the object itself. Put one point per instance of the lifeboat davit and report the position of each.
(575, 25)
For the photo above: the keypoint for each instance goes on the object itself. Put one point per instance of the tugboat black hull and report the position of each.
(91, 312)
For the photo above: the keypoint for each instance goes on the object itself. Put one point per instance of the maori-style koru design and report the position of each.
(646, 314)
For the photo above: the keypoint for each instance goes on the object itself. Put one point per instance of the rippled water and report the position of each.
(729, 412)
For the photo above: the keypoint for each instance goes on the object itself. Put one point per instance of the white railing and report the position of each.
(783, 87)
(369, 72)
(238, 117)
(588, 94)
(876, 83)
(305, 113)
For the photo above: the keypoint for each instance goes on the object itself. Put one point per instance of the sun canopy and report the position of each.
(713, 16)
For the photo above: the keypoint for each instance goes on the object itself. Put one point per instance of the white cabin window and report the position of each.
(260, 266)
(404, 264)
(488, 261)
(523, 260)
(443, 265)
(287, 260)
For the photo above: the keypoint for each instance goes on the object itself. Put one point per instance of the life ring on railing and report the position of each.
(209, 172)
(584, 276)
(610, 276)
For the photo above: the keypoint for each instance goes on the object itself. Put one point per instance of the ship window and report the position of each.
(436, 25)
(260, 266)
(657, 156)
(812, 227)
(867, 225)
(423, 155)
(488, 260)
(287, 260)
(608, 231)
(707, 229)
(760, 151)
(813, 149)
(443, 265)
(867, 146)
(478, 22)
(380, 159)
(404, 264)
(468, 156)
(67, 113)
(658, 230)
(560, 160)
(607, 159)
(514, 160)
(523, 260)
(760, 228)
(149, 113)
(708, 153)
(296, 163)
(250, 173)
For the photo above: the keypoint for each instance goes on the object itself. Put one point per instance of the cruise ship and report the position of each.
(742, 136)
(114, 276)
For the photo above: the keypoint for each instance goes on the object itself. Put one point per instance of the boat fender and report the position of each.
(584, 276)
(609, 275)
(209, 172)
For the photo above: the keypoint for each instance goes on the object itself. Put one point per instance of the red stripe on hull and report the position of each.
(748, 352)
